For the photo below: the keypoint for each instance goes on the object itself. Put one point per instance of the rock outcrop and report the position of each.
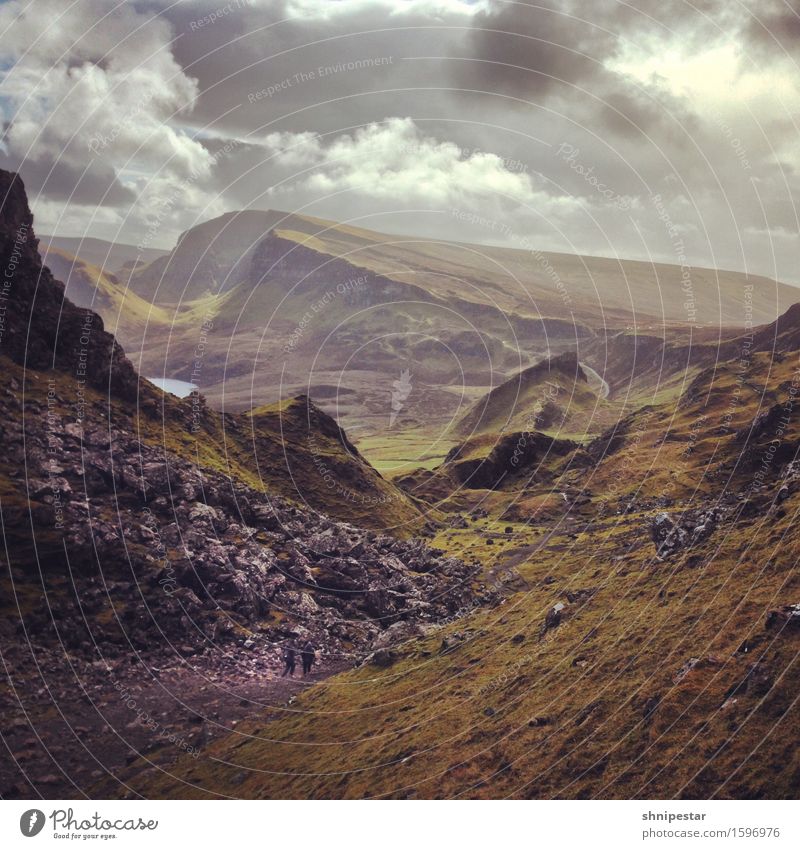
(39, 327)
(674, 535)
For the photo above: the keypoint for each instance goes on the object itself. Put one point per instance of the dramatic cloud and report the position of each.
(93, 92)
(583, 125)
(395, 162)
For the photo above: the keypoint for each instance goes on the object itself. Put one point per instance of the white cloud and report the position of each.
(328, 9)
(95, 80)
(394, 162)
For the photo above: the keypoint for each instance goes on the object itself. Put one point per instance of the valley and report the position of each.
(255, 307)
(542, 548)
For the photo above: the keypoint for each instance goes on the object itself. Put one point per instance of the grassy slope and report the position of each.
(137, 322)
(598, 706)
(267, 449)
(552, 396)
(110, 256)
(422, 727)
(520, 281)
(325, 469)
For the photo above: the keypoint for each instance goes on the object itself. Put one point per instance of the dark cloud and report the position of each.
(534, 50)
(95, 185)
(518, 81)
(559, 52)
(774, 23)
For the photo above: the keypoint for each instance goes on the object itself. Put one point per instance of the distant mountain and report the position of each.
(294, 302)
(86, 285)
(213, 256)
(224, 252)
(109, 256)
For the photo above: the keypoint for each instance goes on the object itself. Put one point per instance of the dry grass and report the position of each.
(639, 692)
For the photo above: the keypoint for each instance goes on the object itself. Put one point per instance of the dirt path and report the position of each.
(78, 723)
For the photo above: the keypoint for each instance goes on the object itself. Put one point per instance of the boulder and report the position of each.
(786, 618)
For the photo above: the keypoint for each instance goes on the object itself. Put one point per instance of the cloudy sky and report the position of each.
(648, 129)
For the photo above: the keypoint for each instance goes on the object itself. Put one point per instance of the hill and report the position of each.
(553, 395)
(646, 648)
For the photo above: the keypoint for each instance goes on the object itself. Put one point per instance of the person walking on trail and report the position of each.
(289, 660)
(309, 655)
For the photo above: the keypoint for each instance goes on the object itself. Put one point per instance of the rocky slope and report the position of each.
(106, 499)
(140, 525)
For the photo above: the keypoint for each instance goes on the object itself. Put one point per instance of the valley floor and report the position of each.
(634, 690)
(72, 724)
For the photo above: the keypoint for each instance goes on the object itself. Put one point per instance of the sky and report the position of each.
(659, 129)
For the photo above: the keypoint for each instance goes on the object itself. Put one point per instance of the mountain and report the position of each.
(41, 328)
(295, 303)
(226, 251)
(553, 606)
(215, 255)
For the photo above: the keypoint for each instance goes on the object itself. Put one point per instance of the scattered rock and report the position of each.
(786, 618)
(552, 619)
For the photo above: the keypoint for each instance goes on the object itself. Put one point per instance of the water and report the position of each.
(181, 388)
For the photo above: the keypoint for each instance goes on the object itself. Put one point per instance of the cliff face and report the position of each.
(39, 327)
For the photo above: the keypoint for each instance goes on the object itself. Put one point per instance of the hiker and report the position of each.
(288, 659)
(309, 655)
